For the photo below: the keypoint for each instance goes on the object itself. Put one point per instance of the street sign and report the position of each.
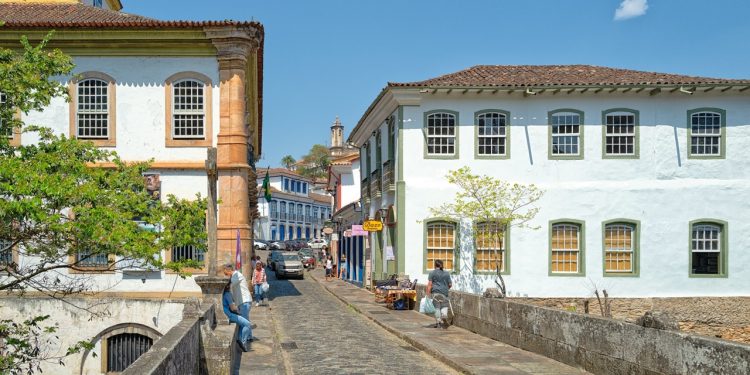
(372, 226)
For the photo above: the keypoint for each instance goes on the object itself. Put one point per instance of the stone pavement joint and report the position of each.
(458, 348)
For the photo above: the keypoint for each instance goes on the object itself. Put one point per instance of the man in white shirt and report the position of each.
(240, 292)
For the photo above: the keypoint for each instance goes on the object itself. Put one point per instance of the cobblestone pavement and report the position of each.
(320, 335)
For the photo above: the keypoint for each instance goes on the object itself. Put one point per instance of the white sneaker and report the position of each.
(256, 304)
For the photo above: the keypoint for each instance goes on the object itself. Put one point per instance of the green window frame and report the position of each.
(378, 149)
(619, 137)
(505, 249)
(552, 118)
(697, 130)
(561, 249)
(702, 246)
(435, 125)
(503, 139)
(614, 234)
(438, 244)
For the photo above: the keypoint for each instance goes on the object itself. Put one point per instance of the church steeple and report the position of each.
(337, 138)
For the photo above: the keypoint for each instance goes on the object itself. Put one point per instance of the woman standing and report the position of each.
(259, 278)
(329, 268)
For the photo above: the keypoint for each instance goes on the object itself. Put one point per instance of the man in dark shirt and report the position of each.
(438, 285)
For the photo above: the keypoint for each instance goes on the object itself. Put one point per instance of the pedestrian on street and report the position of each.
(240, 291)
(259, 278)
(324, 253)
(329, 268)
(438, 285)
(232, 312)
(342, 273)
(252, 263)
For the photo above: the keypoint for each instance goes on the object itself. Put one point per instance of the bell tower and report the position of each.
(337, 138)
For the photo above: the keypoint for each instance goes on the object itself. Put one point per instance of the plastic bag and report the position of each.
(264, 287)
(426, 306)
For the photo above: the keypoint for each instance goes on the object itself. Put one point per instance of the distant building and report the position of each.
(644, 174)
(295, 212)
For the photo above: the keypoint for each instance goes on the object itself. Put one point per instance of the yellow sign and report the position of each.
(372, 226)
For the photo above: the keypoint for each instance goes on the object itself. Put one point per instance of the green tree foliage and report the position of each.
(496, 203)
(288, 161)
(66, 201)
(315, 163)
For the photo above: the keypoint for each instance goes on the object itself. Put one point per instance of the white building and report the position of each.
(344, 181)
(295, 212)
(644, 177)
(142, 69)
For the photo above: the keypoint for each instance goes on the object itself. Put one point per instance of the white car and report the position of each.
(318, 243)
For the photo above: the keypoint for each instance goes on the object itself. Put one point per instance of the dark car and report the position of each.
(273, 257)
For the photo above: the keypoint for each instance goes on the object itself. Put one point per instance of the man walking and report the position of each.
(438, 285)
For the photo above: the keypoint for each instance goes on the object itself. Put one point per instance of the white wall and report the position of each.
(76, 324)
(663, 189)
(350, 185)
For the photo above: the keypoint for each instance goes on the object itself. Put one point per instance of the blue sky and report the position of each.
(328, 58)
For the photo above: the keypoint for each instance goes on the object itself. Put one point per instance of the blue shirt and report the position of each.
(226, 301)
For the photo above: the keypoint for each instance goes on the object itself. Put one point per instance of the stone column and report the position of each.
(235, 46)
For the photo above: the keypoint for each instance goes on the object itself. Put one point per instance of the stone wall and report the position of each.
(598, 345)
(722, 317)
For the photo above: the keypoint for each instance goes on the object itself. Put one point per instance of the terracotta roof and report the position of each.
(45, 15)
(557, 75)
(314, 196)
(345, 160)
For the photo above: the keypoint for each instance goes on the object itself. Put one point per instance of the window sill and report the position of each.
(205, 142)
(708, 276)
(109, 142)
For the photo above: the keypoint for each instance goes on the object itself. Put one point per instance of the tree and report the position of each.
(288, 161)
(315, 163)
(61, 208)
(492, 206)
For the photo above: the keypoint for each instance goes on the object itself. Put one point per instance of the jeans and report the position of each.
(245, 312)
(258, 291)
(246, 332)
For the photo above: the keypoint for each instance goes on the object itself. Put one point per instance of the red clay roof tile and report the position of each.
(557, 75)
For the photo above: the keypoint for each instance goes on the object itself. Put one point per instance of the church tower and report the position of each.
(337, 138)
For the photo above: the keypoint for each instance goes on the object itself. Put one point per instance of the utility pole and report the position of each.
(212, 173)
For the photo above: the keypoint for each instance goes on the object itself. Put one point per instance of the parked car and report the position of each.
(260, 244)
(272, 258)
(278, 245)
(289, 264)
(308, 257)
(318, 243)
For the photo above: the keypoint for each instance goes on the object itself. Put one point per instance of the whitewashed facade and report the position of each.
(677, 203)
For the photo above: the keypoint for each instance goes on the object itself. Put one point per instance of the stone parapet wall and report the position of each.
(723, 317)
(598, 345)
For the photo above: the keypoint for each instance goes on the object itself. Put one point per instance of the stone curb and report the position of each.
(414, 342)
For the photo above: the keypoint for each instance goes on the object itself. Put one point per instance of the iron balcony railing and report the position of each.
(389, 183)
(365, 192)
(283, 216)
(375, 184)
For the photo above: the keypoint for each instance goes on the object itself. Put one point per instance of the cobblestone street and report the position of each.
(321, 335)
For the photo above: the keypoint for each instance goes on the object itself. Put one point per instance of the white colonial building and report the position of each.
(294, 212)
(645, 178)
(149, 90)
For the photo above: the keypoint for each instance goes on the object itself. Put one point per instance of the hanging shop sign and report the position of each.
(372, 226)
(358, 231)
(348, 233)
(327, 230)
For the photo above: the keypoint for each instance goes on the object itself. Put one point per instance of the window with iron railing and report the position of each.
(365, 190)
(124, 349)
(6, 252)
(375, 186)
(388, 176)
(87, 259)
(188, 252)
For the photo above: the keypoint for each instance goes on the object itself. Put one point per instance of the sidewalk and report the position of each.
(265, 357)
(463, 350)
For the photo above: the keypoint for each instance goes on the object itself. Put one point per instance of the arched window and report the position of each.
(707, 137)
(620, 133)
(566, 134)
(189, 110)
(708, 248)
(282, 210)
(124, 349)
(441, 134)
(440, 244)
(567, 248)
(6, 252)
(492, 134)
(490, 251)
(92, 108)
(620, 248)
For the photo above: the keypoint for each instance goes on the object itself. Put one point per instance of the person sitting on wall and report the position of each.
(232, 312)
